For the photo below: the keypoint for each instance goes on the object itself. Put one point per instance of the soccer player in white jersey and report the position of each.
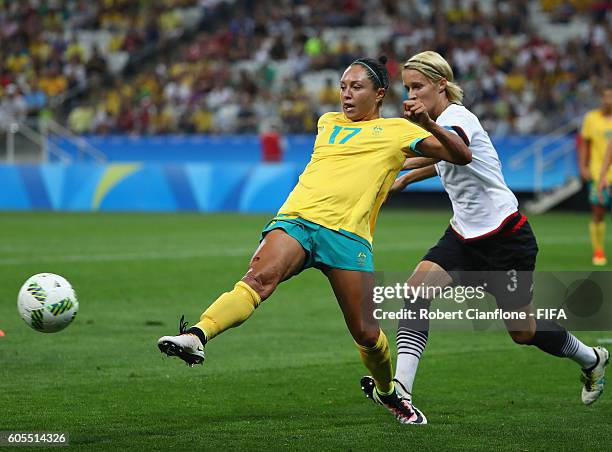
(487, 233)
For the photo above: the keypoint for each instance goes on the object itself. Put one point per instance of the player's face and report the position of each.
(421, 88)
(359, 98)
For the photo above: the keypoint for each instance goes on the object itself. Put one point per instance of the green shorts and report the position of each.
(594, 199)
(325, 247)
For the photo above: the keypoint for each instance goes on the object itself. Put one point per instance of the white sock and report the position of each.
(410, 346)
(580, 353)
(405, 370)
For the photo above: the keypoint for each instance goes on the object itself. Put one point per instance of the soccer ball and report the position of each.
(47, 302)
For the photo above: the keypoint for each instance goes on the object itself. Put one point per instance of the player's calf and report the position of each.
(522, 337)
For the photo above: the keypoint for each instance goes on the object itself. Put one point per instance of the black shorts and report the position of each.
(503, 262)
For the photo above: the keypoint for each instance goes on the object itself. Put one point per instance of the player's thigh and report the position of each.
(514, 261)
(353, 290)
(445, 262)
(278, 257)
(426, 283)
(599, 207)
(512, 286)
(429, 275)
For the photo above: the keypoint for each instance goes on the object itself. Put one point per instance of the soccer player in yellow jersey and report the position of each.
(328, 220)
(596, 131)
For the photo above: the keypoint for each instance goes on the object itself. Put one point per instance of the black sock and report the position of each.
(553, 339)
(198, 332)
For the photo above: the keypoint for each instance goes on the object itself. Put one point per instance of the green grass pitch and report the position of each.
(289, 377)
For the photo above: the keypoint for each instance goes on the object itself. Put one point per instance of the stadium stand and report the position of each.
(279, 60)
(175, 84)
(53, 50)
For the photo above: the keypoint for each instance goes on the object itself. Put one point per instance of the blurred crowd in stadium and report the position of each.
(246, 64)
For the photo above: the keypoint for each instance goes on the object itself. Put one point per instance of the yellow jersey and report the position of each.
(597, 129)
(352, 168)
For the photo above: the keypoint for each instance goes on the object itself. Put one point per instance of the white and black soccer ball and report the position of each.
(47, 302)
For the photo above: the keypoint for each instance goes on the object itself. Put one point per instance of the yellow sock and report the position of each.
(601, 234)
(229, 310)
(597, 232)
(377, 359)
(593, 235)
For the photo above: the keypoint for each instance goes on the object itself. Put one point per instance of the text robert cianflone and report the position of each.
(469, 314)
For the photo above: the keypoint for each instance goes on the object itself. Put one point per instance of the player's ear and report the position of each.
(380, 94)
(442, 85)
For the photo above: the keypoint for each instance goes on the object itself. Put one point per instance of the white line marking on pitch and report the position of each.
(214, 253)
(127, 256)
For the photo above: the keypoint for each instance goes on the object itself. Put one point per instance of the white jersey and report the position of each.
(481, 199)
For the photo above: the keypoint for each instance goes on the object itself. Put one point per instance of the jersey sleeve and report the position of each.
(461, 124)
(410, 136)
(322, 119)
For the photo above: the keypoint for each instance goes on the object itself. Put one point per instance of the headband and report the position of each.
(426, 64)
(371, 70)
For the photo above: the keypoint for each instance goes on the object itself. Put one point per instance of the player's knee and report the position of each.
(261, 281)
(599, 213)
(521, 337)
(365, 337)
